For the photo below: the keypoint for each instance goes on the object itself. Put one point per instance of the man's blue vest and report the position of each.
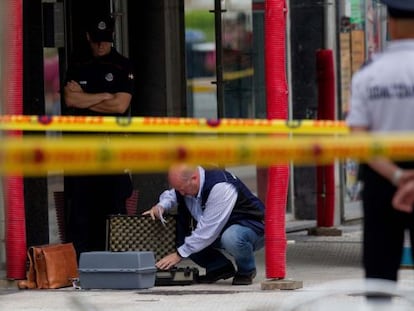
(248, 210)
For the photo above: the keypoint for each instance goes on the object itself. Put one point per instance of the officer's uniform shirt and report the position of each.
(111, 73)
(382, 98)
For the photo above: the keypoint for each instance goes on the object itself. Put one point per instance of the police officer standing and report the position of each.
(101, 84)
(383, 101)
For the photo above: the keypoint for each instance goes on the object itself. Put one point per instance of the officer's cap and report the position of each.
(403, 5)
(101, 29)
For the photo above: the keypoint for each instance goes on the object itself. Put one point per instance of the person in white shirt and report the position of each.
(382, 100)
(228, 217)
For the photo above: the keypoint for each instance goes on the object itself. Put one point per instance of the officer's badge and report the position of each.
(131, 76)
(102, 25)
(109, 77)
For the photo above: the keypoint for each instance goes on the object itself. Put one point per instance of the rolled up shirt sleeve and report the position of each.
(168, 199)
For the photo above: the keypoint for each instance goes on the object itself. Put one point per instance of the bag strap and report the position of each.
(30, 282)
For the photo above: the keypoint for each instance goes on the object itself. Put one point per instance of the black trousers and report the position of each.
(384, 227)
(88, 202)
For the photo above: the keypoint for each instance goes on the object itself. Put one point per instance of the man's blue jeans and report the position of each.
(238, 241)
(241, 242)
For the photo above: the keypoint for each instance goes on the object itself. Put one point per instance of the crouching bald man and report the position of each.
(225, 214)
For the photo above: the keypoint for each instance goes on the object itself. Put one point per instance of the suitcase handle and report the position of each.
(117, 270)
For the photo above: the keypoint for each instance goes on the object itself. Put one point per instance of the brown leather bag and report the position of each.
(51, 266)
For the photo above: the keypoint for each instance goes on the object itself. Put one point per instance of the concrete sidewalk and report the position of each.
(330, 268)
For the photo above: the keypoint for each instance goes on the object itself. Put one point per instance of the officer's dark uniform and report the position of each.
(383, 101)
(89, 199)
(111, 73)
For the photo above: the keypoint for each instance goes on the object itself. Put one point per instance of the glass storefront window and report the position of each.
(200, 59)
(220, 83)
(237, 62)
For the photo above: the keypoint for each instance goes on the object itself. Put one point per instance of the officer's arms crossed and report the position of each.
(77, 98)
(119, 103)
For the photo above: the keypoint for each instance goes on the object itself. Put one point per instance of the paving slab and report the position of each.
(329, 267)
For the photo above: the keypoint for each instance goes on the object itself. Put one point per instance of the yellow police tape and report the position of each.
(239, 74)
(205, 84)
(169, 125)
(96, 155)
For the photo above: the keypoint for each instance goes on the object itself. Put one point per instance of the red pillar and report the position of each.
(15, 233)
(325, 174)
(277, 108)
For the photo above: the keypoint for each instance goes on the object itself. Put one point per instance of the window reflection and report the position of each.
(237, 64)
(200, 61)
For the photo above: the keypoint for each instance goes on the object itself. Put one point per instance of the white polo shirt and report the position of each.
(382, 94)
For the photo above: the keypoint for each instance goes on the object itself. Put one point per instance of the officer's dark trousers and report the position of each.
(383, 227)
(88, 202)
(209, 258)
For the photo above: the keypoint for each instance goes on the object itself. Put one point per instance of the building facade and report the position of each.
(199, 58)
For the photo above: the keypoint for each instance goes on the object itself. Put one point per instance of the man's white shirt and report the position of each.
(210, 218)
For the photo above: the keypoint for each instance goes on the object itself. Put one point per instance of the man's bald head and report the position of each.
(184, 178)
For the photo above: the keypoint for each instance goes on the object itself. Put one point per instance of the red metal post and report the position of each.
(277, 108)
(325, 174)
(15, 233)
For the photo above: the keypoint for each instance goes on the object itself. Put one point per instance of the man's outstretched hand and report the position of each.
(155, 212)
